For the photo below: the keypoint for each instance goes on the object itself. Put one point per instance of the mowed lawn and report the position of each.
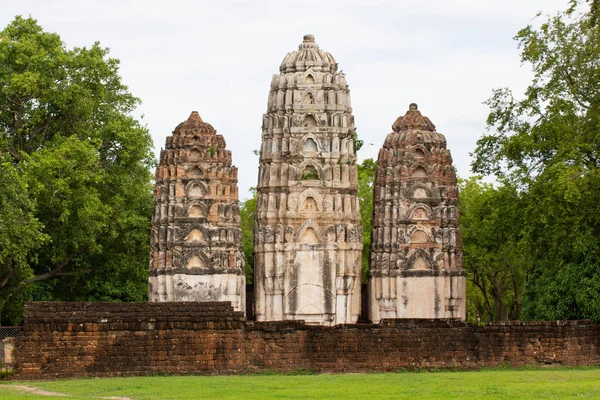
(555, 383)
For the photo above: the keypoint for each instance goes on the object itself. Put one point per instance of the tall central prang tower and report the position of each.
(308, 238)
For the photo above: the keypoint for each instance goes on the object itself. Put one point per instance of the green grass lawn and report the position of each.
(563, 383)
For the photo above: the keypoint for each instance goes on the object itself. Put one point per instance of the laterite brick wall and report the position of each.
(116, 339)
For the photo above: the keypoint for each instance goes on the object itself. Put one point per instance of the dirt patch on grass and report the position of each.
(116, 398)
(38, 391)
(42, 392)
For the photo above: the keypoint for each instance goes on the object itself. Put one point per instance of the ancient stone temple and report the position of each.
(196, 238)
(416, 268)
(308, 238)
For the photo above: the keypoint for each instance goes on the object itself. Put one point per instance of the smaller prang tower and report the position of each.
(416, 266)
(196, 240)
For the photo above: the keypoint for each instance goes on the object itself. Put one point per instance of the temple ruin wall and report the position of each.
(121, 339)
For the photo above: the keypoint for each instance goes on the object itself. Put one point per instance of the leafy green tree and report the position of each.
(366, 178)
(492, 220)
(547, 144)
(558, 120)
(84, 164)
(247, 214)
(563, 238)
(20, 232)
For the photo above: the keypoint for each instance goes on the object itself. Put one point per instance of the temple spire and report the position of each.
(194, 116)
(308, 239)
(196, 252)
(416, 268)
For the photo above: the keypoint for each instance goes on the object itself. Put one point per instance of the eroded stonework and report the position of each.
(196, 238)
(308, 238)
(416, 268)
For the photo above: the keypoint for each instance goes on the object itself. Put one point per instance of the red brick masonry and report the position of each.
(116, 339)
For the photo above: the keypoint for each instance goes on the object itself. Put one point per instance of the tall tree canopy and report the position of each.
(77, 201)
(491, 224)
(558, 120)
(547, 144)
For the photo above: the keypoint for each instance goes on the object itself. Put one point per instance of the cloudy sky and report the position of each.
(218, 57)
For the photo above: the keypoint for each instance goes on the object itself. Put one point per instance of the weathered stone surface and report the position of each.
(120, 339)
(308, 238)
(196, 238)
(7, 357)
(416, 268)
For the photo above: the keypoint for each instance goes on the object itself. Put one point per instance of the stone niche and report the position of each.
(308, 238)
(196, 240)
(416, 266)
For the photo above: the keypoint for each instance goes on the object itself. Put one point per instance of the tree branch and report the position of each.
(50, 274)
(481, 286)
(54, 272)
(40, 128)
(7, 277)
(571, 85)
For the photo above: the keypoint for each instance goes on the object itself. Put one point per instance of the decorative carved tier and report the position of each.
(308, 238)
(416, 268)
(196, 252)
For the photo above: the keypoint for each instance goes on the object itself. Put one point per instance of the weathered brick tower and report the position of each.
(308, 238)
(196, 238)
(416, 268)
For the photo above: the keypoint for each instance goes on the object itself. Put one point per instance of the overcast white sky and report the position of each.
(218, 57)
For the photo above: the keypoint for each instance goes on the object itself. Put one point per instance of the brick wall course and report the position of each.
(124, 339)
